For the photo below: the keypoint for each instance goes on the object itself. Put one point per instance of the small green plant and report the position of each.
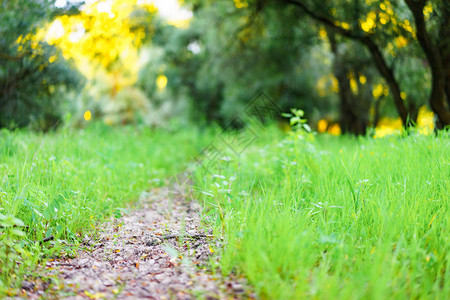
(297, 120)
(11, 249)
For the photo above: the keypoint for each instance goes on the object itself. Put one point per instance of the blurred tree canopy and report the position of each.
(358, 59)
(48, 51)
(104, 41)
(32, 80)
(350, 62)
(383, 25)
(219, 63)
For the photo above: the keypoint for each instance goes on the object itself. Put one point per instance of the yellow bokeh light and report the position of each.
(425, 121)
(428, 10)
(362, 79)
(388, 8)
(388, 126)
(325, 84)
(322, 126)
(240, 3)
(369, 23)
(87, 115)
(384, 18)
(321, 85)
(345, 25)
(161, 82)
(183, 24)
(335, 129)
(354, 86)
(322, 33)
(401, 41)
(353, 83)
(377, 91)
(342, 24)
(334, 84)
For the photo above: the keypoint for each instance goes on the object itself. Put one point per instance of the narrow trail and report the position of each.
(159, 251)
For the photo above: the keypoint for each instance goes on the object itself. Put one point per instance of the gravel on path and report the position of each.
(159, 251)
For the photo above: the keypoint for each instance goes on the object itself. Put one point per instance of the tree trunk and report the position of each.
(353, 115)
(438, 73)
(444, 47)
(385, 71)
(376, 116)
(388, 74)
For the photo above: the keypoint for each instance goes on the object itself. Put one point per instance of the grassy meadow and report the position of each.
(65, 183)
(336, 217)
(302, 215)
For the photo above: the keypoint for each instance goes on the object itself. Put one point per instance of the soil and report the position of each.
(160, 251)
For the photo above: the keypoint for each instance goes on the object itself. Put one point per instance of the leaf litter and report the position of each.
(160, 251)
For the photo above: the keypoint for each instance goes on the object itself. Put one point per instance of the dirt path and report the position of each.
(157, 252)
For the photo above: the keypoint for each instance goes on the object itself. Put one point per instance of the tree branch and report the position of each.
(379, 60)
(324, 20)
(431, 50)
(10, 57)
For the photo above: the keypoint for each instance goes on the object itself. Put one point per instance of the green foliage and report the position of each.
(127, 106)
(9, 250)
(15, 258)
(296, 120)
(227, 55)
(33, 86)
(234, 49)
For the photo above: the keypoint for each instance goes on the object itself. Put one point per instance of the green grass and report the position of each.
(336, 217)
(67, 182)
(303, 216)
